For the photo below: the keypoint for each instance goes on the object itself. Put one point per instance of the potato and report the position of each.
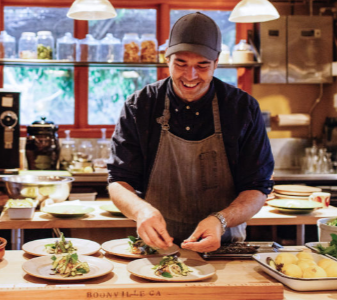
(285, 259)
(292, 270)
(314, 272)
(305, 263)
(304, 255)
(325, 262)
(331, 270)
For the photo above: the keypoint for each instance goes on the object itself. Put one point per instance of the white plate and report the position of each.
(298, 284)
(144, 268)
(41, 267)
(84, 247)
(121, 248)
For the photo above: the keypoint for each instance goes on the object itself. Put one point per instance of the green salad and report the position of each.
(60, 246)
(170, 267)
(69, 265)
(331, 249)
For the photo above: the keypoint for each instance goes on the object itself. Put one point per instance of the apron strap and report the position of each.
(164, 119)
(216, 114)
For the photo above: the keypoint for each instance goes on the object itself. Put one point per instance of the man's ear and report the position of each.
(216, 63)
(167, 59)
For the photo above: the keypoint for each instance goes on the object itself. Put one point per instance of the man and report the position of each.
(191, 160)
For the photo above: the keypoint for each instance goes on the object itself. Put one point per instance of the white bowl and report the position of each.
(21, 212)
(324, 230)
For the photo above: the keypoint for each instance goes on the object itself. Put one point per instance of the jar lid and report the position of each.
(28, 34)
(42, 127)
(44, 33)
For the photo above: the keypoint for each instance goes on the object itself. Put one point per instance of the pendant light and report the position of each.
(91, 10)
(253, 11)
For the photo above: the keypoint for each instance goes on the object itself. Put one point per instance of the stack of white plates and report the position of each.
(293, 191)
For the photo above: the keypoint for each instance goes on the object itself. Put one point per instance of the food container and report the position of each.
(38, 188)
(131, 47)
(28, 45)
(224, 54)
(148, 48)
(21, 209)
(66, 47)
(324, 230)
(45, 45)
(7, 45)
(243, 53)
(3, 243)
(88, 49)
(110, 49)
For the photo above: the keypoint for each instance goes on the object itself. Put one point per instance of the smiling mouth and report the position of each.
(189, 85)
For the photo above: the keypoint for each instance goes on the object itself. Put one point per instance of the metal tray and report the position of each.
(259, 247)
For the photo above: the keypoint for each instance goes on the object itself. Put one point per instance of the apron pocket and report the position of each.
(209, 170)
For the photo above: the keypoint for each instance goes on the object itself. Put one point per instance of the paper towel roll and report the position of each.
(293, 120)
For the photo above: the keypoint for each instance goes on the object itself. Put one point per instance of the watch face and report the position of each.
(8, 119)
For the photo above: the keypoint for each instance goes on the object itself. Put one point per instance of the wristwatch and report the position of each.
(222, 220)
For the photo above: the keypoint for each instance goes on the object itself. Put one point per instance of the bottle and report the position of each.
(68, 149)
(8, 44)
(28, 45)
(45, 45)
(88, 49)
(66, 47)
(110, 49)
(148, 48)
(103, 153)
(243, 53)
(131, 47)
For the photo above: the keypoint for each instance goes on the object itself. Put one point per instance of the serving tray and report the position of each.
(242, 250)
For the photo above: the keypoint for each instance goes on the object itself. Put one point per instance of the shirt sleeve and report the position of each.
(255, 159)
(126, 161)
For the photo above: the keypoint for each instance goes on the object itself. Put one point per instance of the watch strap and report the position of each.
(222, 220)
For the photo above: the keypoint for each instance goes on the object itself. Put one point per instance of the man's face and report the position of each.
(191, 74)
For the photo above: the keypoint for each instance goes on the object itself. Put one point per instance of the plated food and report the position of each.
(60, 246)
(69, 265)
(307, 273)
(171, 266)
(38, 247)
(41, 267)
(147, 268)
(137, 246)
(121, 247)
(68, 211)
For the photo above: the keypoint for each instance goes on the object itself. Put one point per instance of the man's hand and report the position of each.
(151, 227)
(206, 237)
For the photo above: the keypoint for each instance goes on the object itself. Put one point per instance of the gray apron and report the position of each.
(191, 179)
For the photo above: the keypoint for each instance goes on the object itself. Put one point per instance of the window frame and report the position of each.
(81, 128)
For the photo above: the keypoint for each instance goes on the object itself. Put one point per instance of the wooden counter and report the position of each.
(102, 219)
(234, 279)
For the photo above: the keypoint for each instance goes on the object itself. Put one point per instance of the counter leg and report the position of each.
(17, 238)
(300, 234)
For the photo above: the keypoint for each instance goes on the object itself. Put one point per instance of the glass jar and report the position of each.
(66, 47)
(131, 47)
(28, 45)
(224, 54)
(68, 150)
(148, 48)
(162, 50)
(42, 145)
(110, 49)
(243, 53)
(88, 49)
(45, 45)
(8, 45)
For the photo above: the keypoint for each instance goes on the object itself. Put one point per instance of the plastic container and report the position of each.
(103, 146)
(88, 49)
(131, 47)
(28, 45)
(243, 53)
(7, 45)
(21, 213)
(148, 48)
(45, 45)
(324, 230)
(66, 47)
(224, 56)
(68, 149)
(110, 49)
(162, 50)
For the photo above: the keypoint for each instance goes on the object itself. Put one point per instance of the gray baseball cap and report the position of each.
(196, 33)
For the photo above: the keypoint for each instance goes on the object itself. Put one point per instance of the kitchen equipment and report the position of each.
(324, 230)
(42, 145)
(38, 188)
(28, 45)
(88, 49)
(110, 49)
(45, 45)
(297, 49)
(9, 130)
(66, 47)
(67, 211)
(68, 149)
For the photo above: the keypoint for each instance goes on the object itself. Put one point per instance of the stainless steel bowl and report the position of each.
(38, 187)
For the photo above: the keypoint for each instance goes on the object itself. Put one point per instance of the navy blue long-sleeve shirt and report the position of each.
(136, 137)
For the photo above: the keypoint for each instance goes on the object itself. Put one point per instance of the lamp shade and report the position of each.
(253, 11)
(91, 10)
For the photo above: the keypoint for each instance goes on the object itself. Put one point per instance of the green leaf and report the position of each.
(74, 257)
(167, 275)
(132, 238)
(81, 270)
(53, 258)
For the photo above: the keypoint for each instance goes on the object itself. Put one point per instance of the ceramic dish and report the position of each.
(294, 206)
(40, 267)
(111, 208)
(280, 196)
(121, 248)
(144, 268)
(313, 245)
(84, 247)
(298, 284)
(67, 211)
(293, 189)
